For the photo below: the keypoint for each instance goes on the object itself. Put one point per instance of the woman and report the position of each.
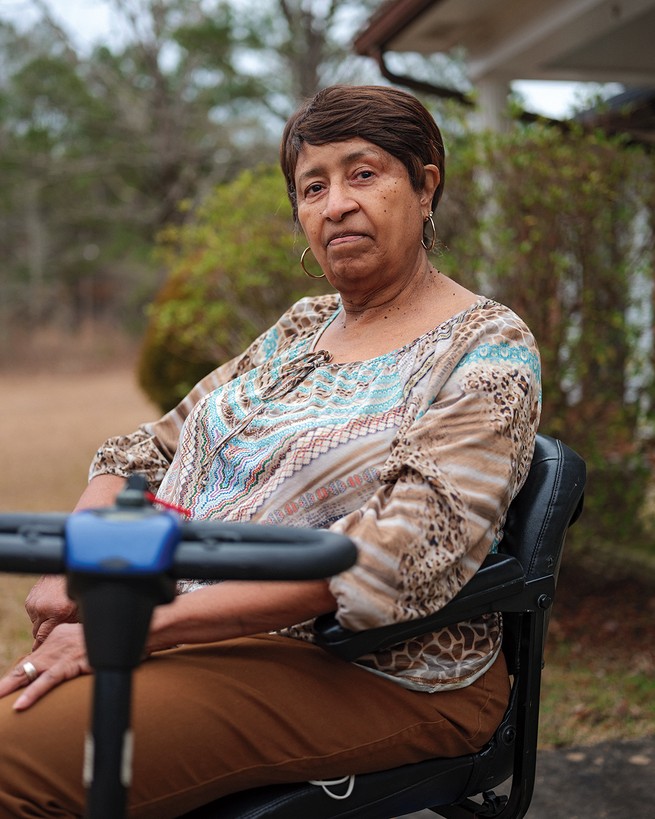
(400, 411)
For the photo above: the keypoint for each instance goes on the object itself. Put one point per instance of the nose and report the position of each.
(339, 203)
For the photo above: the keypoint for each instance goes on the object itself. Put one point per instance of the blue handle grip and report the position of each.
(121, 542)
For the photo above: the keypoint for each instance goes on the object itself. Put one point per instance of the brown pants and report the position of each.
(215, 719)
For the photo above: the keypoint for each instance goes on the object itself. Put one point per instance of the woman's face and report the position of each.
(360, 214)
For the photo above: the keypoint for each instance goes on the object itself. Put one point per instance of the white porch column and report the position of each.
(492, 96)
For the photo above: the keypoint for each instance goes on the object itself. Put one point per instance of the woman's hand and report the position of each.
(48, 605)
(61, 657)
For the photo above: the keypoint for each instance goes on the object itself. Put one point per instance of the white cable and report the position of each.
(327, 783)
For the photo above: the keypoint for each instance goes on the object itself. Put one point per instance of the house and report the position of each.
(505, 40)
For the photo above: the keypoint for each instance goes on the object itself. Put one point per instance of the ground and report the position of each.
(599, 678)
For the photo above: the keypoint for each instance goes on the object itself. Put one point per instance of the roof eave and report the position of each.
(387, 22)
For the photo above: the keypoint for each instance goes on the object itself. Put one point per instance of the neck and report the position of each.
(398, 301)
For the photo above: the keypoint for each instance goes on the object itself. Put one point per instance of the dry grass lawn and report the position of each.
(50, 426)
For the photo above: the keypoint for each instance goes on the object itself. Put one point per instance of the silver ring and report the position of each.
(30, 671)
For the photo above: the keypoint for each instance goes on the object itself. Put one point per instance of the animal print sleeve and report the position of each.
(453, 470)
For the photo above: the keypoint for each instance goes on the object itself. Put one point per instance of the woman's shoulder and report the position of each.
(309, 312)
(491, 319)
(491, 332)
(300, 320)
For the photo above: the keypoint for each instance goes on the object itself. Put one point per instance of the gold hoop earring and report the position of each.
(429, 246)
(302, 264)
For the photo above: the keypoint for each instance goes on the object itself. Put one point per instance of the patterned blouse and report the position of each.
(415, 455)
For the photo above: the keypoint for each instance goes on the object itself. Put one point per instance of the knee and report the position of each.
(15, 763)
(35, 777)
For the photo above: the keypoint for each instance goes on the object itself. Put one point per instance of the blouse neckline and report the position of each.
(392, 355)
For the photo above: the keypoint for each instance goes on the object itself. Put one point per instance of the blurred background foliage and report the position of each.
(140, 196)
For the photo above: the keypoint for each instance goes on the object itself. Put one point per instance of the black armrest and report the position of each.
(499, 579)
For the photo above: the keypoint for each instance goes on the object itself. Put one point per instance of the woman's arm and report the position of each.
(211, 614)
(150, 449)
(453, 471)
(100, 492)
(147, 450)
(48, 603)
(236, 609)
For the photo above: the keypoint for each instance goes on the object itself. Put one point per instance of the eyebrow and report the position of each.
(318, 170)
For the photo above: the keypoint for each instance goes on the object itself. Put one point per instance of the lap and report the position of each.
(214, 719)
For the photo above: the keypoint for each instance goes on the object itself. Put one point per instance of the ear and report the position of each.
(432, 179)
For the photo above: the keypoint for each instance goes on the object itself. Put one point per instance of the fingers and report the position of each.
(44, 622)
(60, 658)
(42, 630)
(48, 604)
(42, 625)
(17, 677)
(49, 679)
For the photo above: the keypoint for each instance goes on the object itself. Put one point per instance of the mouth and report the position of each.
(345, 238)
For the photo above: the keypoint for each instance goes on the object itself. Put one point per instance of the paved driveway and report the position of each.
(613, 780)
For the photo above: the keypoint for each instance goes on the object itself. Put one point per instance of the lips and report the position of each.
(344, 238)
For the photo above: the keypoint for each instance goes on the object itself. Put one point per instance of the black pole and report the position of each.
(116, 614)
(108, 751)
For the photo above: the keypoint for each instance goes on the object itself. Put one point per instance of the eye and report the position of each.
(312, 190)
(365, 173)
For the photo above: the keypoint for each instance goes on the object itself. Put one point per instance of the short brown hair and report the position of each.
(391, 119)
